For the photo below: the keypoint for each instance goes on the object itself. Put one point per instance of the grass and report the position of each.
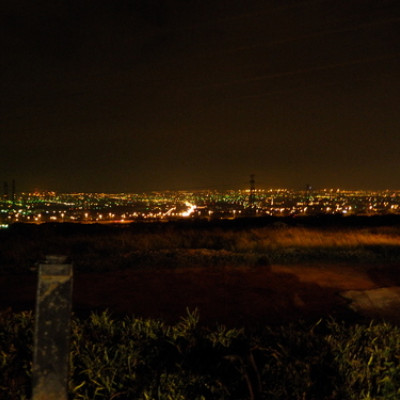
(132, 358)
(108, 248)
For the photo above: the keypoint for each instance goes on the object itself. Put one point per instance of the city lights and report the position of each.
(204, 204)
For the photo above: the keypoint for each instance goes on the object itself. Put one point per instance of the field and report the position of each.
(237, 273)
(245, 309)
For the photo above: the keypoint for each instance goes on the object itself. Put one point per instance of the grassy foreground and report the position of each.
(133, 358)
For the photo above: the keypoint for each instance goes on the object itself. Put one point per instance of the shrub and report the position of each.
(129, 357)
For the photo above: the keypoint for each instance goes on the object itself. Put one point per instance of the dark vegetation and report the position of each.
(250, 242)
(132, 358)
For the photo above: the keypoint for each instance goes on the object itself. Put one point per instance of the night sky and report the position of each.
(140, 95)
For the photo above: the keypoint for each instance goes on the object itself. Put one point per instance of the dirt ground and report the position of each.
(231, 296)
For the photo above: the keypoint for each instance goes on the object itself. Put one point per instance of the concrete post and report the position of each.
(52, 330)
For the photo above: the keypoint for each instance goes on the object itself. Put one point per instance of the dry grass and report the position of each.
(173, 246)
(306, 237)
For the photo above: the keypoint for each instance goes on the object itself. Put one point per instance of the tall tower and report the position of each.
(308, 191)
(307, 195)
(252, 195)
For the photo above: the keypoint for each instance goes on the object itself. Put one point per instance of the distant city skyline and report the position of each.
(122, 208)
(13, 188)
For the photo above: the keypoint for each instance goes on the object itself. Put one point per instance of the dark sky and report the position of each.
(138, 95)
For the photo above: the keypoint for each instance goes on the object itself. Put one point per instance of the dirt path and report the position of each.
(233, 296)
